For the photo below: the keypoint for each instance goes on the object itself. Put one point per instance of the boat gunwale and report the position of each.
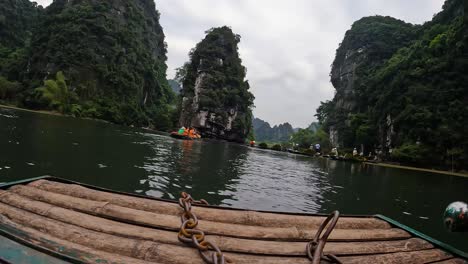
(437, 244)
(62, 255)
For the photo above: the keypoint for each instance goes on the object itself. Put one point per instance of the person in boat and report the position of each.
(317, 148)
(334, 152)
(181, 130)
(355, 153)
(191, 132)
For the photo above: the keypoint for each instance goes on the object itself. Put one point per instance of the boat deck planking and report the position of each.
(84, 224)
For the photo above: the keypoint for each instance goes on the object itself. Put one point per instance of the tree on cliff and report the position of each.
(408, 95)
(216, 97)
(113, 55)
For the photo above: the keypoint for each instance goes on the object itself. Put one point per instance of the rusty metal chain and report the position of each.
(315, 247)
(189, 233)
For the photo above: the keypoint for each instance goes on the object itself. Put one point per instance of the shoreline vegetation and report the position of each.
(50, 112)
(310, 153)
(261, 146)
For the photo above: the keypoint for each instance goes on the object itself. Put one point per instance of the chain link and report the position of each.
(211, 253)
(189, 233)
(315, 247)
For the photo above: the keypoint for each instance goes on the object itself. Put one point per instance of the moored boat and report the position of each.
(86, 224)
(181, 136)
(184, 136)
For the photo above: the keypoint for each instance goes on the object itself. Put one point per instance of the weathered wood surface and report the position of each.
(225, 243)
(37, 228)
(102, 226)
(172, 222)
(205, 213)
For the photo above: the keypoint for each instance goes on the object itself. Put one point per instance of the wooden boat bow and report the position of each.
(79, 223)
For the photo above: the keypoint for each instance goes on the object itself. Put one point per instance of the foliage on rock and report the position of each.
(403, 87)
(278, 133)
(214, 83)
(112, 52)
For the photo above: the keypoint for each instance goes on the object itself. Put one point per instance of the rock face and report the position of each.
(112, 53)
(366, 46)
(402, 87)
(215, 95)
(278, 133)
(18, 19)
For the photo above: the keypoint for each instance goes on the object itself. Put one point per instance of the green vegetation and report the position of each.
(56, 95)
(8, 89)
(263, 145)
(304, 138)
(278, 133)
(113, 55)
(214, 81)
(408, 93)
(276, 147)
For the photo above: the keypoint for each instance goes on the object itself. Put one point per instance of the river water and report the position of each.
(137, 161)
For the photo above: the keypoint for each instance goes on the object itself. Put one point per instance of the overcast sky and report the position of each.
(287, 45)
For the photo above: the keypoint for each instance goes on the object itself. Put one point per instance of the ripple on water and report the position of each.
(8, 115)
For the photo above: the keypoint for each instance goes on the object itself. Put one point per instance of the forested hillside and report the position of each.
(402, 89)
(216, 97)
(111, 55)
(278, 133)
(18, 19)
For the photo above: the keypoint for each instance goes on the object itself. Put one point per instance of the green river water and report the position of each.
(137, 161)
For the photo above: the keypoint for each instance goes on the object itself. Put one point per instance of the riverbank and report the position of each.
(460, 174)
(46, 112)
(54, 113)
(381, 164)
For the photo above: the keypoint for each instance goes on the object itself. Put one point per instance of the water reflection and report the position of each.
(133, 160)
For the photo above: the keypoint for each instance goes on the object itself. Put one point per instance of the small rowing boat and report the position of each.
(183, 136)
(72, 222)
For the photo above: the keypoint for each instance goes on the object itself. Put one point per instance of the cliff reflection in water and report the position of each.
(133, 160)
(204, 170)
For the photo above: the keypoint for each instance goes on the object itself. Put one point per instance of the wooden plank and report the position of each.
(413, 257)
(170, 222)
(211, 214)
(79, 252)
(225, 243)
(63, 235)
(35, 226)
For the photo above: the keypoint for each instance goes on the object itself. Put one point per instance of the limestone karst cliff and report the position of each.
(401, 89)
(112, 54)
(215, 95)
(278, 133)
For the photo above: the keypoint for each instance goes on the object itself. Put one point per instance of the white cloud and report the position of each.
(287, 46)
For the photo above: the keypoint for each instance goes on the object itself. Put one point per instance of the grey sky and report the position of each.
(287, 46)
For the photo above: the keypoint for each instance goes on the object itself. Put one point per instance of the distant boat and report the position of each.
(81, 223)
(183, 137)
